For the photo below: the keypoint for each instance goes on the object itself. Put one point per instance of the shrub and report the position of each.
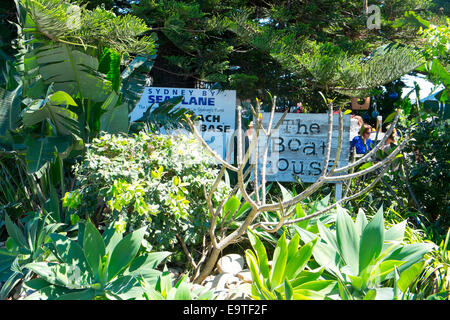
(146, 180)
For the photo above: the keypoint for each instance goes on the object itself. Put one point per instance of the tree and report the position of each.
(275, 46)
(255, 202)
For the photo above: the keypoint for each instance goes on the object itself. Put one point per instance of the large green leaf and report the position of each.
(277, 273)
(295, 265)
(230, 207)
(69, 69)
(134, 79)
(43, 151)
(9, 109)
(94, 248)
(115, 119)
(263, 262)
(70, 252)
(64, 121)
(324, 254)
(410, 254)
(87, 294)
(62, 274)
(409, 275)
(124, 252)
(372, 239)
(125, 288)
(347, 239)
(15, 232)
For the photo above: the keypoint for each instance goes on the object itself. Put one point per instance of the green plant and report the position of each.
(287, 279)
(432, 278)
(24, 245)
(146, 180)
(96, 267)
(182, 290)
(362, 254)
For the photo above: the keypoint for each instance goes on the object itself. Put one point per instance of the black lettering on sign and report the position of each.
(286, 163)
(294, 146)
(280, 144)
(297, 169)
(310, 149)
(316, 167)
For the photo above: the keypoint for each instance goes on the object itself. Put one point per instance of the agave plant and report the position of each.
(361, 255)
(182, 290)
(95, 267)
(24, 245)
(287, 279)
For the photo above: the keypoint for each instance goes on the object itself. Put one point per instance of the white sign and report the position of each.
(216, 111)
(298, 147)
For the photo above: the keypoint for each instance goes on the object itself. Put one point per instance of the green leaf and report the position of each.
(15, 232)
(43, 151)
(9, 109)
(126, 288)
(258, 282)
(63, 274)
(94, 248)
(288, 290)
(372, 240)
(124, 252)
(295, 265)
(396, 232)
(88, 294)
(69, 69)
(70, 252)
(409, 275)
(347, 239)
(151, 260)
(327, 235)
(61, 98)
(320, 286)
(361, 221)
(230, 207)
(277, 273)
(293, 246)
(115, 119)
(183, 293)
(261, 253)
(410, 254)
(382, 270)
(370, 295)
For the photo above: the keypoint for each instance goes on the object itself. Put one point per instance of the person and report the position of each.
(362, 143)
(249, 132)
(389, 140)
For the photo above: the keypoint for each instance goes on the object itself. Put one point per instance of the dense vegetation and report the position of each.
(93, 207)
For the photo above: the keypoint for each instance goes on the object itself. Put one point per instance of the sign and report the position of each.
(299, 146)
(216, 111)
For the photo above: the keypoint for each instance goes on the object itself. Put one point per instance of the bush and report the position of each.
(146, 180)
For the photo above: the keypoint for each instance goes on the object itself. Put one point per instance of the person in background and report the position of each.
(249, 132)
(389, 140)
(362, 143)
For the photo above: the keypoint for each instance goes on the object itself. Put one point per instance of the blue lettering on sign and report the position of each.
(200, 101)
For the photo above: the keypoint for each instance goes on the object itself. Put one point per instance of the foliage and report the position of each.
(361, 255)
(182, 290)
(287, 278)
(94, 267)
(251, 46)
(24, 245)
(433, 281)
(146, 180)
